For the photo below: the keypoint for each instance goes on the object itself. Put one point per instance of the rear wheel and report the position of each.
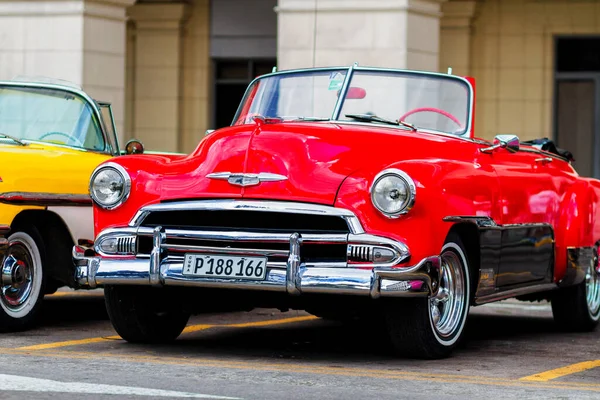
(577, 308)
(22, 281)
(432, 328)
(145, 314)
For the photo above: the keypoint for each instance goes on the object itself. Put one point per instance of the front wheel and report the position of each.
(145, 314)
(577, 308)
(21, 281)
(432, 328)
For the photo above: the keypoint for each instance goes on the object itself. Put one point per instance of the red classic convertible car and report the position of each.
(346, 192)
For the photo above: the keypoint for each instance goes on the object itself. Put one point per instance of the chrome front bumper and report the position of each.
(294, 277)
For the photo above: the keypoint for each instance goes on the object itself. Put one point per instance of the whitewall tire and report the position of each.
(21, 281)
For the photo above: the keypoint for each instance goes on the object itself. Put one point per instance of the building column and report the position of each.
(157, 74)
(455, 38)
(82, 41)
(382, 33)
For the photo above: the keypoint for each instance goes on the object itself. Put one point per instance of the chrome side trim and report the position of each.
(482, 222)
(515, 292)
(579, 261)
(45, 199)
(251, 205)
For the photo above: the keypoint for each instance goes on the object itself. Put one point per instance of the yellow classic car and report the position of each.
(52, 136)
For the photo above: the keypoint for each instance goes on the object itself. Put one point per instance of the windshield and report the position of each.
(49, 115)
(425, 100)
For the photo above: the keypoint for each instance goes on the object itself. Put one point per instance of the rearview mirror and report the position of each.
(508, 142)
(354, 92)
(134, 146)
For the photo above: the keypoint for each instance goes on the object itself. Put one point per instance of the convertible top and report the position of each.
(548, 145)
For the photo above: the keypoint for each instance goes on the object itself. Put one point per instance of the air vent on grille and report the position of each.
(126, 245)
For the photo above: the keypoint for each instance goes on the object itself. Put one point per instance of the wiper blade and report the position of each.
(310, 119)
(375, 118)
(13, 139)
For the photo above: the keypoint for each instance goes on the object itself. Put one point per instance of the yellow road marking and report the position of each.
(196, 328)
(75, 294)
(313, 369)
(560, 372)
(68, 343)
(188, 329)
(273, 322)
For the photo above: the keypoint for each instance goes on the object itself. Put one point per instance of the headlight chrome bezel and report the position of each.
(411, 190)
(126, 185)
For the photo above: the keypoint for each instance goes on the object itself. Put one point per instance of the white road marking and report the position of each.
(26, 384)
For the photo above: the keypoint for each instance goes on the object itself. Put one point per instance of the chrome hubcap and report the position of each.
(16, 277)
(447, 306)
(592, 287)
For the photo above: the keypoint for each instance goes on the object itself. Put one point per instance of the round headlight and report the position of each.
(110, 185)
(393, 192)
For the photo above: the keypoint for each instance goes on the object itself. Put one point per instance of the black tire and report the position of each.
(411, 327)
(577, 308)
(21, 298)
(144, 314)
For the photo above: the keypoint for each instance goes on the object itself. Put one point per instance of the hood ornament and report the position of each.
(242, 179)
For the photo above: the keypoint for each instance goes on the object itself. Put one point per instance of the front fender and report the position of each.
(443, 188)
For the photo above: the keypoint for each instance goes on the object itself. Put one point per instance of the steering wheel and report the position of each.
(432, 109)
(69, 138)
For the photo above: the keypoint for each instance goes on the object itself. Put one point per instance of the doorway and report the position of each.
(231, 80)
(577, 101)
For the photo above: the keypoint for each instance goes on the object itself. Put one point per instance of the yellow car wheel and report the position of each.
(21, 281)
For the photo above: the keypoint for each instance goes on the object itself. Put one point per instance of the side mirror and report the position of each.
(134, 146)
(508, 142)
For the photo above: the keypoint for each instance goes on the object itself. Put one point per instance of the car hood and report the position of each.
(45, 168)
(311, 160)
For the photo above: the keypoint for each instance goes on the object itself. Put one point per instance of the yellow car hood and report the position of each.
(46, 168)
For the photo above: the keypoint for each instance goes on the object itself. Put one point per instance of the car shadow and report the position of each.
(71, 310)
(358, 342)
(311, 340)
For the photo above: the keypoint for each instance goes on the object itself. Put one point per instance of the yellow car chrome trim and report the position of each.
(45, 199)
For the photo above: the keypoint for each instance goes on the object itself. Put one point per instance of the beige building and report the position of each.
(173, 69)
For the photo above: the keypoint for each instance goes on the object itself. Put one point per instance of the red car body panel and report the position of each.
(334, 164)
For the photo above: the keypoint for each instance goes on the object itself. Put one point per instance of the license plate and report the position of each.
(221, 266)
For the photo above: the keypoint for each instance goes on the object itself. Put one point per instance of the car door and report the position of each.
(527, 211)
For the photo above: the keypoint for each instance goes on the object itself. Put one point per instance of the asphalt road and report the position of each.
(513, 350)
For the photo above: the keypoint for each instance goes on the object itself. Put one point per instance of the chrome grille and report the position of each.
(328, 236)
(246, 221)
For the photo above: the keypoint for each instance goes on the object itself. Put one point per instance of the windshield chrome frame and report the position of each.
(74, 91)
(335, 116)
